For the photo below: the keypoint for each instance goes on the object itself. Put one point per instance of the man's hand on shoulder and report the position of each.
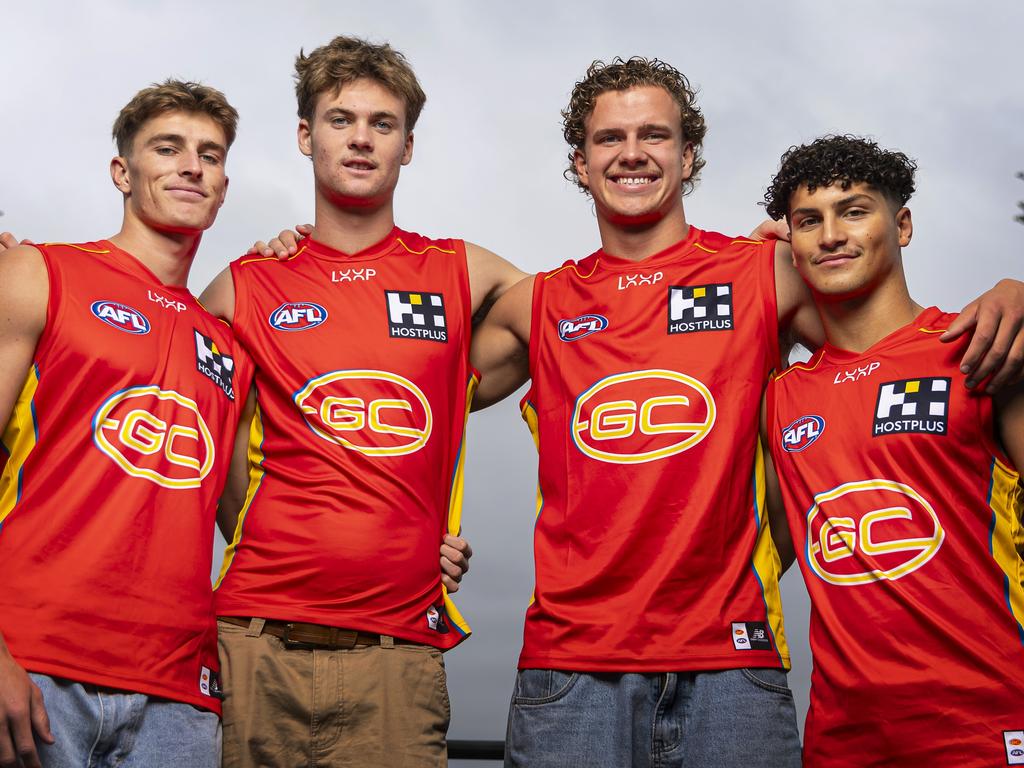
(9, 241)
(284, 245)
(455, 554)
(997, 343)
(22, 714)
(771, 229)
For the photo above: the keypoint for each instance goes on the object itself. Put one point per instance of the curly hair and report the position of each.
(844, 159)
(621, 75)
(346, 59)
(169, 96)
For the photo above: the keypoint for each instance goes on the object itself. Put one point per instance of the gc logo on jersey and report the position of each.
(214, 365)
(121, 316)
(642, 416)
(297, 316)
(912, 405)
(416, 315)
(700, 308)
(578, 327)
(376, 413)
(801, 433)
(156, 434)
(870, 530)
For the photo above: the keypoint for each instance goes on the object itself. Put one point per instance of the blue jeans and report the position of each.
(734, 718)
(99, 727)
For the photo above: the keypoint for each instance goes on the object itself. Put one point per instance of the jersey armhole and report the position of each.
(54, 302)
(239, 316)
(536, 309)
(770, 393)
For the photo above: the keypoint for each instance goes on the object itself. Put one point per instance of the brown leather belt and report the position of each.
(298, 635)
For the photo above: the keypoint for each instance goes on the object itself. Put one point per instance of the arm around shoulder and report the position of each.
(500, 348)
(1009, 410)
(219, 296)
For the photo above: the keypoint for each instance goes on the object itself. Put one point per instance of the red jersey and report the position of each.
(363, 383)
(118, 448)
(905, 516)
(651, 550)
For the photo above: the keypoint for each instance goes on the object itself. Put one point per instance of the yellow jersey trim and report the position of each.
(256, 473)
(19, 438)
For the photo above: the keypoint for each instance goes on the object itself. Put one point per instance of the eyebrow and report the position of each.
(840, 203)
(373, 116)
(179, 140)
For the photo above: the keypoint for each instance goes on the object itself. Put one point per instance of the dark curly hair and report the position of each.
(622, 75)
(846, 159)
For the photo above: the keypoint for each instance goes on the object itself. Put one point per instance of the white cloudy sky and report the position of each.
(935, 78)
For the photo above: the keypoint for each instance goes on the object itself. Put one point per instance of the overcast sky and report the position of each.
(939, 80)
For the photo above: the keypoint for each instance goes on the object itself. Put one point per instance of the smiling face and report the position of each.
(173, 176)
(846, 242)
(634, 159)
(358, 144)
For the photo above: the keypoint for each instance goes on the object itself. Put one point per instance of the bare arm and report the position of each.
(232, 498)
(777, 522)
(501, 345)
(799, 322)
(24, 291)
(490, 276)
(997, 341)
(219, 296)
(1010, 424)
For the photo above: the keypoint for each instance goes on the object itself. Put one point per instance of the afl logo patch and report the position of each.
(578, 327)
(297, 316)
(802, 432)
(121, 316)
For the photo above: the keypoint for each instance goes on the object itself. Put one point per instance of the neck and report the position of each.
(637, 239)
(350, 229)
(858, 323)
(168, 255)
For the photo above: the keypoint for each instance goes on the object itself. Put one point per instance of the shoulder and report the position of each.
(415, 243)
(716, 242)
(799, 372)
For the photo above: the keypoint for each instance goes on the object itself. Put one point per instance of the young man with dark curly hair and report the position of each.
(901, 489)
(655, 635)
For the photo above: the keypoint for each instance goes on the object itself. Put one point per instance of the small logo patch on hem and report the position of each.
(1014, 743)
(209, 683)
(436, 620)
(750, 636)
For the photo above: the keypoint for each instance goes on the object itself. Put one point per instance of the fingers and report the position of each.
(993, 337)
(304, 229)
(455, 554)
(963, 323)
(7, 240)
(1012, 370)
(17, 747)
(261, 248)
(770, 229)
(284, 245)
(40, 718)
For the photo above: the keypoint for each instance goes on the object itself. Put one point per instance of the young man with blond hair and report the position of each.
(901, 487)
(332, 609)
(119, 396)
(655, 634)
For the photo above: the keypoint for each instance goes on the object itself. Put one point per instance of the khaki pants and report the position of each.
(369, 706)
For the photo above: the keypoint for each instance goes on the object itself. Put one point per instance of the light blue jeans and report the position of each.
(737, 718)
(101, 728)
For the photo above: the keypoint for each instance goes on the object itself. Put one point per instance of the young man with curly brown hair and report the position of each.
(655, 634)
(901, 488)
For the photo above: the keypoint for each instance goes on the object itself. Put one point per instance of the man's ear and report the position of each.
(119, 174)
(407, 154)
(905, 225)
(580, 161)
(688, 154)
(305, 138)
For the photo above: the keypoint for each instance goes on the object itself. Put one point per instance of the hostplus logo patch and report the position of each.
(214, 364)
(693, 308)
(416, 315)
(912, 405)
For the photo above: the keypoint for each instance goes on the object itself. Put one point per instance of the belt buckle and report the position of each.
(296, 645)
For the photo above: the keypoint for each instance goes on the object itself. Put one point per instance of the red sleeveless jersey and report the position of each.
(118, 449)
(651, 549)
(363, 384)
(905, 516)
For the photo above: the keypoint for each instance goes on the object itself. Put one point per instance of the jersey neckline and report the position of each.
(672, 253)
(134, 264)
(323, 251)
(923, 322)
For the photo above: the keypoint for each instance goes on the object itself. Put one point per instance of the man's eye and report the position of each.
(855, 212)
(384, 125)
(165, 150)
(208, 158)
(339, 121)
